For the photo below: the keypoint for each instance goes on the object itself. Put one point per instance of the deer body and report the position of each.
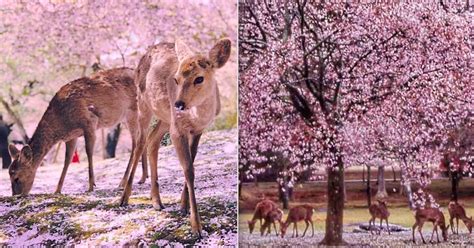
(178, 87)
(262, 210)
(79, 108)
(433, 215)
(275, 215)
(297, 214)
(456, 211)
(379, 211)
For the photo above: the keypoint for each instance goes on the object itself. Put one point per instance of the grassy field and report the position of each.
(355, 212)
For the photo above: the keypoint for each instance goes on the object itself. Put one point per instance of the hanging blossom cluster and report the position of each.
(331, 82)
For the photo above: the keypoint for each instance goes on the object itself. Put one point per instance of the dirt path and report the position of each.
(92, 219)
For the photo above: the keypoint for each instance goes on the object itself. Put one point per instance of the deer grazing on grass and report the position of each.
(296, 214)
(176, 85)
(79, 108)
(433, 215)
(262, 210)
(380, 211)
(275, 215)
(456, 211)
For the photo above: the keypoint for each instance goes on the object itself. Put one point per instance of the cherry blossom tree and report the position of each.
(315, 74)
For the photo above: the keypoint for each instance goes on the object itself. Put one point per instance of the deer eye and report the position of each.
(198, 80)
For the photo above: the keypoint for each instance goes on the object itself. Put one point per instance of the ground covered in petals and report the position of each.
(95, 219)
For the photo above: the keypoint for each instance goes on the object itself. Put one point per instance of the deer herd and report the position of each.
(269, 212)
(172, 82)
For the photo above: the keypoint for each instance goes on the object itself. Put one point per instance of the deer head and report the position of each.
(468, 222)
(22, 171)
(283, 228)
(195, 76)
(444, 230)
(251, 225)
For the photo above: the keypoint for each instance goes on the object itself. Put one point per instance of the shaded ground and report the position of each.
(93, 219)
(355, 240)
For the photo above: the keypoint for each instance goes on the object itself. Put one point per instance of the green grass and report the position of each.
(353, 215)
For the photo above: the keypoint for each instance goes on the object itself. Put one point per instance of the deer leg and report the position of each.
(89, 137)
(181, 145)
(370, 224)
(70, 147)
(457, 225)
(312, 228)
(388, 228)
(143, 123)
(413, 231)
(129, 166)
(451, 222)
(432, 233)
(275, 227)
(380, 229)
(194, 142)
(307, 226)
(419, 231)
(144, 167)
(296, 227)
(154, 141)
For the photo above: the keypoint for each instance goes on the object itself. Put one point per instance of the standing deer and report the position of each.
(380, 211)
(457, 211)
(178, 87)
(433, 215)
(296, 214)
(79, 108)
(272, 217)
(262, 210)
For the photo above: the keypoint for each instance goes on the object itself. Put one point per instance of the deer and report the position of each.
(177, 86)
(262, 210)
(78, 108)
(275, 215)
(433, 215)
(457, 211)
(296, 214)
(380, 211)
(5, 130)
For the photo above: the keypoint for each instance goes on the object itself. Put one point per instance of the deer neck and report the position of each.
(43, 139)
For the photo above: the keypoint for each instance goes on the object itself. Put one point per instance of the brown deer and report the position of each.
(296, 214)
(380, 211)
(456, 211)
(275, 215)
(262, 210)
(433, 215)
(79, 108)
(178, 87)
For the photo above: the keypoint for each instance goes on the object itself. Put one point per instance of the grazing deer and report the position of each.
(380, 211)
(178, 87)
(433, 215)
(296, 214)
(79, 108)
(272, 217)
(457, 211)
(262, 210)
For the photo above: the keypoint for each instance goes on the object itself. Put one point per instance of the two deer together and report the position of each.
(172, 82)
(436, 216)
(268, 211)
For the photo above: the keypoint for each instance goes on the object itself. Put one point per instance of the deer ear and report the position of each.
(14, 152)
(182, 50)
(220, 53)
(26, 154)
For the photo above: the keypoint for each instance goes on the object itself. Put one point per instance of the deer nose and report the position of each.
(179, 105)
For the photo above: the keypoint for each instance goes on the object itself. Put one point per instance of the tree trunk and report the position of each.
(363, 174)
(369, 195)
(454, 176)
(406, 182)
(112, 141)
(381, 189)
(335, 209)
(394, 174)
(284, 194)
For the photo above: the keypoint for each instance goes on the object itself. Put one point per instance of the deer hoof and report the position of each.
(184, 211)
(158, 206)
(142, 180)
